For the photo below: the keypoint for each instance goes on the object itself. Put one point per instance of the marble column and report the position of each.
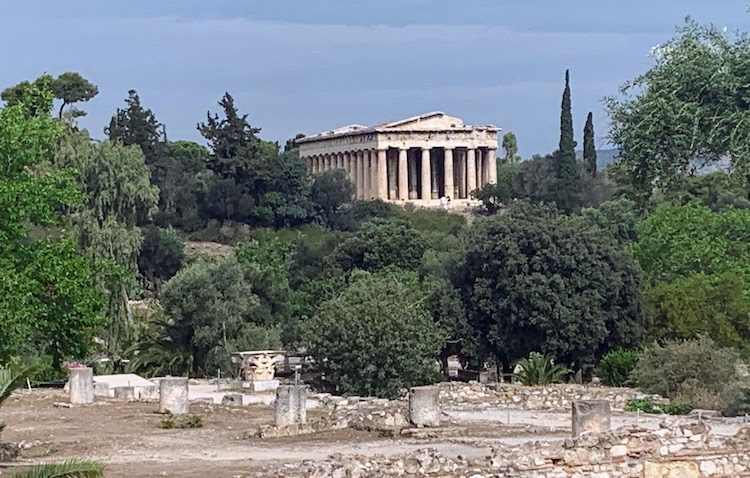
(448, 173)
(360, 174)
(382, 174)
(435, 185)
(471, 171)
(461, 189)
(403, 175)
(491, 166)
(368, 175)
(412, 155)
(392, 177)
(426, 182)
(480, 168)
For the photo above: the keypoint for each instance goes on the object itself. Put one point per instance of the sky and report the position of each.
(307, 66)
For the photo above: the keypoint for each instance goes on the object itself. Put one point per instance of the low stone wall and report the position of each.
(551, 397)
(686, 450)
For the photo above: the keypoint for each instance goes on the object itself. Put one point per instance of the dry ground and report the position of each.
(127, 438)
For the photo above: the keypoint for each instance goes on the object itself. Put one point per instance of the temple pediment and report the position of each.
(430, 121)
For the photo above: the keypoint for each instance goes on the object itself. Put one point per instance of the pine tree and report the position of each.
(589, 148)
(568, 185)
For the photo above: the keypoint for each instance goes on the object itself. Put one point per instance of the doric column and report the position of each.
(392, 176)
(361, 174)
(448, 173)
(329, 159)
(368, 175)
(435, 184)
(351, 168)
(471, 171)
(403, 175)
(461, 176)
(491, 166)
(413, 194)
(316, 164)
(480, 168)
(426, 182)
(382, 174)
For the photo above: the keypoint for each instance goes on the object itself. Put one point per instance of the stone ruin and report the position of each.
(679, 449)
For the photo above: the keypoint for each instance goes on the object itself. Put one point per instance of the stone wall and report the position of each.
(686, 450)
(551, 397)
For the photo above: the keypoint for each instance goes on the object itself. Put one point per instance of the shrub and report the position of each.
(647, 405)
(539, 369)
(615, 367)
(697, 371)
(377, 337)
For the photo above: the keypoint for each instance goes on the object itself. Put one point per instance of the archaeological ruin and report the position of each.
(417, 160)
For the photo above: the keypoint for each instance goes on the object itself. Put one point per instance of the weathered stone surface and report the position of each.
(127, 393)
(290, 405)
(234, 399)
(173, 395)
(590, 416)
(8, 452)
(81, 384)
(424, 406)
(679, 469)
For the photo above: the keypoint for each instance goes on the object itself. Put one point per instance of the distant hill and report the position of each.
(603, 157)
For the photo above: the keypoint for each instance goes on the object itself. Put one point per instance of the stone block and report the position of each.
(127, 393)
(173, 395)
(81, 385)
(591, 416)
(148, 393)
(101, 389)
(424, 406)
(259, 386)
(290, 405)
(233, 399)
(672, 469)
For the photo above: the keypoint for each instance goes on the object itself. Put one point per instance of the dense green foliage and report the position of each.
(534, 280)
(616, 366)
(589, 146)
(377, 337)
(698, 372)
(688, 111)
(538, 369)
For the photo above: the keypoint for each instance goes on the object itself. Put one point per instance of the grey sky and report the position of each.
(311, 65)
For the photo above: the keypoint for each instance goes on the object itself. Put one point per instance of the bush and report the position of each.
(697, 371)
(615, 367)
(647, 405)
(377, 337)
(539, 369)
(162, 255)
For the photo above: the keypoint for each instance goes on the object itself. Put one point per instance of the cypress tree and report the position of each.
(568, 187)
(589, 148)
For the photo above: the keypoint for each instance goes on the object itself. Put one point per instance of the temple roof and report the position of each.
(434, 121)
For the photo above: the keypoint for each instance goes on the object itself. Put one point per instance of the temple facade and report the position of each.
(418, 159)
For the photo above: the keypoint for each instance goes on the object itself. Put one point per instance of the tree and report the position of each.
(70, 88)
(47, 300)
(331, 190)
(589, 146)
(715, 306)
(510, 146)
(136, 125)
(215, 309)
(119, 196)
(378, 244)
(688, 112)
(536, 281)
(678, 241)
(161, 256)
(567, 187)
(377, 337)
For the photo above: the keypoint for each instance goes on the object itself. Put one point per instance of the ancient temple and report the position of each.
(418, 159)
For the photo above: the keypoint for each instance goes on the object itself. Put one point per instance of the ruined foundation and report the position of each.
(173, 395)
(424, 406)
(591, 416)
(290, 405)
(81, 384)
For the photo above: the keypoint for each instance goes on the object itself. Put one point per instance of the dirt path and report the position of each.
(128, 439)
